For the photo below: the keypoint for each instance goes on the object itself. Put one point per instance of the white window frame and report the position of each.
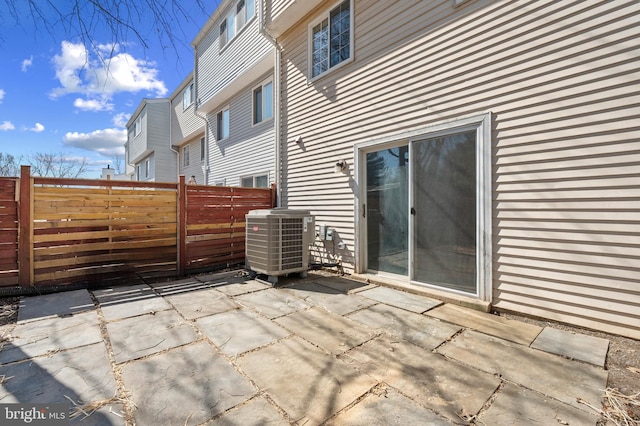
(482, 125)
(187, 97)
(203, 149)
(185, 156)
(254, 107)
(137, 126)
(138, 169)
(147, 168)
(224, 134)
(253, 180)
(327, 16)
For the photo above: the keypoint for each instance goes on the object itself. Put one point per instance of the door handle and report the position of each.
(364, 210)
(413, 211)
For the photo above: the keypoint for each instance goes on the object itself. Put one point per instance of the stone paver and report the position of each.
(136, 337)
(400, 299)
(126, 302)
(272, 303)
(184, 386)
(314, 350)
(577, 346)
(54, 305)
(257, 412)
(518, 406)
(343, 285)
(387, 407)
(238, 288)
(444, 386)
(418, 329)
(82, 374)
(37, 338)
(551, 375)
(307, 383)
(514, 331)
(201, 303)
(331, 332)
(329, 298)
(179, 286)
(239, 331)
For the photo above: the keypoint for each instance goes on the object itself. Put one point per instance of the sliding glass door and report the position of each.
(426, 203)
(386, 210)
(444, 211)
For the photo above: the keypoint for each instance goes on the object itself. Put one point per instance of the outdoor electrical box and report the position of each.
(325, 233)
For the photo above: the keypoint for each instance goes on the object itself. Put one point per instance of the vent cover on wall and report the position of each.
(277, 241)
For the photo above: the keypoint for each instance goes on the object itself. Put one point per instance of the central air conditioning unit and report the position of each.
(277, 241)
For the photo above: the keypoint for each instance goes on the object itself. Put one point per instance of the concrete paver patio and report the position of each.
(223, 349)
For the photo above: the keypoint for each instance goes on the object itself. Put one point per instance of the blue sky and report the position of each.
(61, 94)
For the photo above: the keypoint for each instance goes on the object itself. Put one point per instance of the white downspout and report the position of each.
(276, 116)
(171, 145)
(198, 114)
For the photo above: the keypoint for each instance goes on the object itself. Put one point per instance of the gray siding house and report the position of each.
(234, 90)
(188, 133)
(484, 152)
(148, 142)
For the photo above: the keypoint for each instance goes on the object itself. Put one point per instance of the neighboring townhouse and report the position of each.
(188, 133)
(148, 147)
(486, 151)
(234, 90)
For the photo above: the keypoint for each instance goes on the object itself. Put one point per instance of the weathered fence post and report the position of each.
(25, 226)
(182, 226)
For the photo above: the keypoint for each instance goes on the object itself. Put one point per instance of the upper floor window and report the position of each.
(187, 96)
(235, 20)
(137, 127)
(263, 102)
(185, 156)
(203, 149)
(331, 39)
(222, 124)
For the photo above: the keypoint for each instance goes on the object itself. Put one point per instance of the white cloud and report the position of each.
(101, 104)
(120, 119)
(108, 142)
(2, 92)
(37, 128)
(26, 64)
(103, 72)
(7, 125)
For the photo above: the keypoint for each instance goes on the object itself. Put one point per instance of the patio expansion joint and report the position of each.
(121, 392)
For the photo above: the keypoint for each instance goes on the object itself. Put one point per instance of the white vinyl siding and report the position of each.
(248, 151)
(216, 70)
(562, 89)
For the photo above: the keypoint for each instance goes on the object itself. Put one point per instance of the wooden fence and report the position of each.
(67, 231)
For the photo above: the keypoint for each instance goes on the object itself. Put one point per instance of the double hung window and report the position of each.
(263, 103)
(223, 124)
(331, 39)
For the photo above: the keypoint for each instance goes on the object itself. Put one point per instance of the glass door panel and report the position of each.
(387, 210)
(444, 194)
